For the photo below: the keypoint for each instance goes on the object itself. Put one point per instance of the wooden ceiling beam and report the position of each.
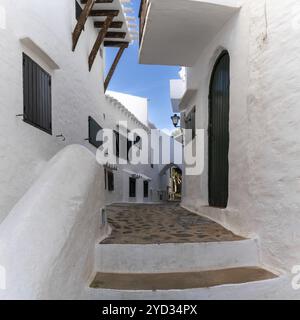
(114, 24)
(81, 22)
(115, 44)
(100, 38)
(98, 1)
(116, 35)
(114, 65)
(104, 13)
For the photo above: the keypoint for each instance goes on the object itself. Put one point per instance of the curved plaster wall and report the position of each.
(47, 242)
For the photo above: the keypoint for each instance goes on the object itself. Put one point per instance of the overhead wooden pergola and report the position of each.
(110, 38)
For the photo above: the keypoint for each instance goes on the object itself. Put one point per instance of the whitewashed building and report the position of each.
(52, 105)
(240, 84)
(148, 180)
(36, 50)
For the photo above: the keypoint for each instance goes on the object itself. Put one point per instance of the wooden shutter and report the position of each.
(129, 146)
(110, 181)
(36, 95)
(94, 129)
(117, 141)
(146, 189)
(132, 187)
(105, 177)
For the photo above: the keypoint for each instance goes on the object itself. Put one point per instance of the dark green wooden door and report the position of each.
(219, 132)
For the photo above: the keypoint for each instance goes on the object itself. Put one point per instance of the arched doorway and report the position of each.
(219, 98)
(174, 174)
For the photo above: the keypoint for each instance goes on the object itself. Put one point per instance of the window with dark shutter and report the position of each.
(146, 189)
(129, 151)
(36, 95)
(121, 143)
(94, 129)
(105, 176)
(132, 187)
(138, 141)
(190, 122)
(117, 143)
(110, 181)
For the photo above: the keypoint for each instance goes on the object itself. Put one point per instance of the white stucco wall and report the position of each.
(120, 113)
(264, 187)
(136, 105)
(47, 243)
(76, 92)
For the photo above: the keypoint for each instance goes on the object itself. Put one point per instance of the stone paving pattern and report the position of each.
(162, 223)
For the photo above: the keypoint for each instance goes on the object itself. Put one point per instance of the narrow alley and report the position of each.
(149, 149)
(162, 223)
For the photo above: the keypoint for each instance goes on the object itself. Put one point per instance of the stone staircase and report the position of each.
(130, 264)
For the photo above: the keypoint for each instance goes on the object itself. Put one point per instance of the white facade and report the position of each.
(52, 188)
(262, 39)
(146, 172)
(199, 21)
(76, 92)
(44, 33)
(136, 105)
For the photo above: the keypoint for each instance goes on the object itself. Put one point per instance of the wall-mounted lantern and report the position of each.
(175, 119)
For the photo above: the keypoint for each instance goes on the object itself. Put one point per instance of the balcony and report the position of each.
(177, 90)
(142, 16)
(181, 92)
(174, 32)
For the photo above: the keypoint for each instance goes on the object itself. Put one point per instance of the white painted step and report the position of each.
(176, 257)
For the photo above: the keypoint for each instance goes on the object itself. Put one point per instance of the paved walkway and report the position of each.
(162, 223)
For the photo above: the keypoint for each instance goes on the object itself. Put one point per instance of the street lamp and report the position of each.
(175, 119)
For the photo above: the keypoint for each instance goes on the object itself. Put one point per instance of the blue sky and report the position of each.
(147, 81)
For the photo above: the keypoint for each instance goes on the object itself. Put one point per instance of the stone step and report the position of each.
(179, 281)
(262, 289)
(175, 257)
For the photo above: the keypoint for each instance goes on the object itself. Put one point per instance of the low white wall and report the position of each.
(47, 241)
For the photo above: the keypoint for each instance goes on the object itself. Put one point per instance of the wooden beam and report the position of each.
(114, 24)
(81, 22)
(115, 44)
(114, 65)
(98, 1)
(99, 40)
(116, 35)
(104, 13)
